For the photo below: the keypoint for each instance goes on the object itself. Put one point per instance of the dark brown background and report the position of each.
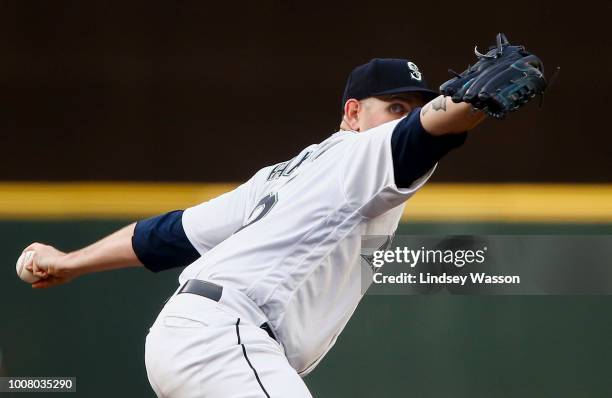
(185, 92)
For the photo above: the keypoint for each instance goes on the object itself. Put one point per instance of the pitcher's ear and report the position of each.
(351, 113)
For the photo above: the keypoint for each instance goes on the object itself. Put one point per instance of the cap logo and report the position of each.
(414, 71)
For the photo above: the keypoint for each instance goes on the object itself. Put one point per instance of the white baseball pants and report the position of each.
(201, 348)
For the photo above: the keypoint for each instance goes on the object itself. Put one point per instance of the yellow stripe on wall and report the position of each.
(512, 203)
(435, 202)
(100, 200)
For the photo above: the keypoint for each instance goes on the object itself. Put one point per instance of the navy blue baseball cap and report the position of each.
(386, 76)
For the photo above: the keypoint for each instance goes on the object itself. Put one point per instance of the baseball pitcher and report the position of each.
(272, 268)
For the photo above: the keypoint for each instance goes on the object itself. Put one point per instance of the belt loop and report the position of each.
(177, 291)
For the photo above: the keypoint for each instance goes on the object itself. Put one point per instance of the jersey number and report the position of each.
(262, 208)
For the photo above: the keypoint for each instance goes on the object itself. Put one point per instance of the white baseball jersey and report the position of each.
(290, 237)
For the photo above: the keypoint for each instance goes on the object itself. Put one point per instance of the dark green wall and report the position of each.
(417, 346)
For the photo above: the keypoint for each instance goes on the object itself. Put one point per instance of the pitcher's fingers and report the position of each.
(36, 270)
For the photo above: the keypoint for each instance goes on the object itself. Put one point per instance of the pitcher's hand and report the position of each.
(50, 265)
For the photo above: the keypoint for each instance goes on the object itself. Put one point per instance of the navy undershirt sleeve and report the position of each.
(160, 242)
(415, 151)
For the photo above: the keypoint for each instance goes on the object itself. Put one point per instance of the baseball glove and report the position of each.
(503, 79)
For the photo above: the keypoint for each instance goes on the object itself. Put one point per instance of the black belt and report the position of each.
(213, 292)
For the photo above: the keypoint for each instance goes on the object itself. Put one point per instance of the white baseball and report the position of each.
(24, 260)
